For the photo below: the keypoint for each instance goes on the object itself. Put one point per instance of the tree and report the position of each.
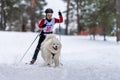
(76, 12)
(67, 15)
(93, 12)
(32, 15)
(4, 6)
(79, 27)
(118, 19)
(33, 11)
(106, 12)
(3, 19)
(17, 13)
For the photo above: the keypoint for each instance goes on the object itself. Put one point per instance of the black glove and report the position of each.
(43, 25)
(59, 13)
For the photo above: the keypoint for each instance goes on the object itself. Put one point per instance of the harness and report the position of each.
(53, 54)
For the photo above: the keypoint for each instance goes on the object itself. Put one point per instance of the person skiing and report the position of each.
(46, 27)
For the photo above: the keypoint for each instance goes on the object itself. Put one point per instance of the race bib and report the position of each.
(48, 29)
(49, 26)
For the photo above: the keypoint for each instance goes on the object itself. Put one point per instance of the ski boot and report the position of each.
(33, 61)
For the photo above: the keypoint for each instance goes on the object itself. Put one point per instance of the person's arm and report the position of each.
(60, 20)
(41, 24)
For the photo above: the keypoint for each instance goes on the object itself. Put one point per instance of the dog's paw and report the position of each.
(48, 65)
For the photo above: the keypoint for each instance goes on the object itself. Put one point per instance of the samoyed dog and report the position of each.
(51, 50)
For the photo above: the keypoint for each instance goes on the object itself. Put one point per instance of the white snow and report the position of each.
(82, 58)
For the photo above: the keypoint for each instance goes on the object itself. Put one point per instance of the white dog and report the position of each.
(51, 49)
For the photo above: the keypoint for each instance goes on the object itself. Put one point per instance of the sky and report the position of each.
(82, 58)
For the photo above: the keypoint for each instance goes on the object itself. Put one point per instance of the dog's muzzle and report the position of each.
(55, 47)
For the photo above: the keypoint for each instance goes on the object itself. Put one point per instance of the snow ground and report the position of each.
(82, 59)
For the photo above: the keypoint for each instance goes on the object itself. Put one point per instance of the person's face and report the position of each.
(49, 15)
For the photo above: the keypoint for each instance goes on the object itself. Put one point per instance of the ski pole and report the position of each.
(60, 38)
(59, 32)
(28, 48)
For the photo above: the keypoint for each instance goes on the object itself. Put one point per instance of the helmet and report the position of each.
(48, 10)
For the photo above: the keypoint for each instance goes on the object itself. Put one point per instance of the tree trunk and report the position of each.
(79, 27)
(32, 15)
(104, 32)
(118, 20)
(4, 24)
(24, 27)
(67, 16)
(3, 19)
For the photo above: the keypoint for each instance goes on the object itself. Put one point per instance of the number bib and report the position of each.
(49, 25)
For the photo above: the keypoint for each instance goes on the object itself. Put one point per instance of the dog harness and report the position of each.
(53, 54)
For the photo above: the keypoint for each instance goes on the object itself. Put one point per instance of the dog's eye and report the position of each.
(53, 43)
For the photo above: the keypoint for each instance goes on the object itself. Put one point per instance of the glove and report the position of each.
(59, 13)
(39, 31)
(43, 25)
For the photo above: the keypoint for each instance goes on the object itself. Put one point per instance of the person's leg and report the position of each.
(41, 39)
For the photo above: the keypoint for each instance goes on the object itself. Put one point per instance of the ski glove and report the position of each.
(59, 13)
(43, 25)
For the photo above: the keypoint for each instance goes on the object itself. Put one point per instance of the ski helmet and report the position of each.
(48, 10)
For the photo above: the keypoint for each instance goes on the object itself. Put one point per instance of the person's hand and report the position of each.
(43, 25)
(59, 13)
(39, 30)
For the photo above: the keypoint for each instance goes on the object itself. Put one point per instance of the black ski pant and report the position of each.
(41, 39)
